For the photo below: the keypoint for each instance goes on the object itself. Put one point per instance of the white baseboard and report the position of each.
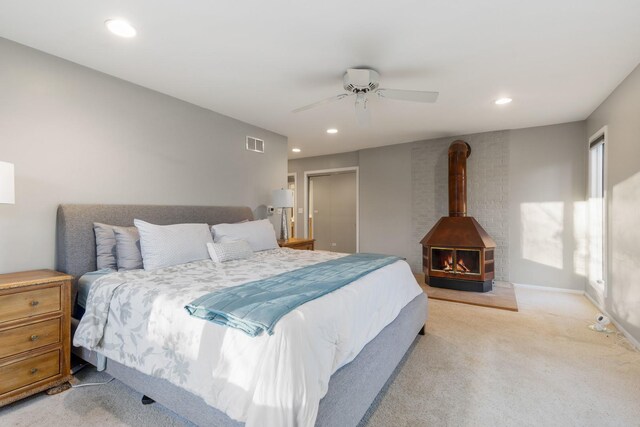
(618, 326)
(548, 288)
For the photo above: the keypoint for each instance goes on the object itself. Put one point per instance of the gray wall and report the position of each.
(79, 136)
(620, 112)
(385, 200)
(512, 176)
(547, 188)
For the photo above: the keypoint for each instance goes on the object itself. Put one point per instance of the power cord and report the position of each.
(90, 384)
(78, 368)
(619, 338)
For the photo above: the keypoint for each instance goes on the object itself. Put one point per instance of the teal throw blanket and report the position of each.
(257, 306)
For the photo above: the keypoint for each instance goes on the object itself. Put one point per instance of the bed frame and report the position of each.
(352, 388)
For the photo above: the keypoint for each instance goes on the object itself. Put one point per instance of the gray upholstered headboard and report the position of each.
(76, 242)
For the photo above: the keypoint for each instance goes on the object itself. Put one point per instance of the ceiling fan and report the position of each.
(361, 83)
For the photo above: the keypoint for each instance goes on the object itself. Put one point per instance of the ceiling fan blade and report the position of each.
(363, 113)
(408, 95)
(359, 77)
(323, 102)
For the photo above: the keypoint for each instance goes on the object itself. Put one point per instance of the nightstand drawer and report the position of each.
(29, 337)
(300, 244)
(29, 303)
(303, 247)
(29, 371)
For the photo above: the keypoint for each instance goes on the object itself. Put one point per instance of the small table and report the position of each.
(35, 328)
(294, 243)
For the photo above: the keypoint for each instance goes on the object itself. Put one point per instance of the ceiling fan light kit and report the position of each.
(361, 82)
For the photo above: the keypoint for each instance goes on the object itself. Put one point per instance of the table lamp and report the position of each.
(7, 186)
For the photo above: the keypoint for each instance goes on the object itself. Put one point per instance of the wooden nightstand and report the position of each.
(293, 243)
(35, 333)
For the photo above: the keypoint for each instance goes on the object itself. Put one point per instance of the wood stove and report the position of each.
(457, 253)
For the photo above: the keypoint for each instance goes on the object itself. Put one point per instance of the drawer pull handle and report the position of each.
(34, 370)
(34, 337)
(34, 303)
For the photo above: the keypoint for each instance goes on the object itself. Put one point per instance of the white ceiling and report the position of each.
(256, 60)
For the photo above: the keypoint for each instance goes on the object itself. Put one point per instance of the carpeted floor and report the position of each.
(502, 296)
(476, 366)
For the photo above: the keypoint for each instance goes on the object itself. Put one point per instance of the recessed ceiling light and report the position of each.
(296, 150)
(502, 101)
(120, 28)
(332, 130)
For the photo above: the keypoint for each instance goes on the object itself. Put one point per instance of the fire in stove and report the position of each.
(448, 264)
(461, 267)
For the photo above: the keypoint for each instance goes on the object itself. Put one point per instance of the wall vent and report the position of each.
(255, 144)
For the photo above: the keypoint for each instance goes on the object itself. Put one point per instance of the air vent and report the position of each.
(255, 144)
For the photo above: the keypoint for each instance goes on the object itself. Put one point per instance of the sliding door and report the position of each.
(333, 211)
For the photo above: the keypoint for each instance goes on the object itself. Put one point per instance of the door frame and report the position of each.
(295, 201)
(308, 174)
(602, 132)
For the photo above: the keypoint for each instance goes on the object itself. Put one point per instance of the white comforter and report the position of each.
(137, 318)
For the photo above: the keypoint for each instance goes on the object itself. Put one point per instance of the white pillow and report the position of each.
(259, 234)
(221, 252)
(167, 245)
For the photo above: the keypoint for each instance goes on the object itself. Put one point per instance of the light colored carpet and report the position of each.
(476, 366)
(541, 366)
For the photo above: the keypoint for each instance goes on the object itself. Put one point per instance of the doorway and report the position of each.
(292, 179)
(332, 209)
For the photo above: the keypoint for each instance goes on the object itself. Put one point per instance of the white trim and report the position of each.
(603, 131)
(305, 201)
(295, 201)
(618, 326)
(549, 288)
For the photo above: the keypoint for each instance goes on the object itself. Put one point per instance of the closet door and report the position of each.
(334, 212)
(321, 211)
(343, 212)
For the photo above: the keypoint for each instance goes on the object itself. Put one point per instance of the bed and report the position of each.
(348, 393)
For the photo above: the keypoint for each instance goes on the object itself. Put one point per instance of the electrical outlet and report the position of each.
(270, 210)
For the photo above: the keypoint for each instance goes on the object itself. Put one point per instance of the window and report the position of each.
(596, 211)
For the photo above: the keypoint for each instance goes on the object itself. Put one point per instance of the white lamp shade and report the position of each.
(7, 186)
(282, 198)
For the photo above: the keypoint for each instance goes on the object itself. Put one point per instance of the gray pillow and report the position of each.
(128, 252)
(167, 245)
(105, 246)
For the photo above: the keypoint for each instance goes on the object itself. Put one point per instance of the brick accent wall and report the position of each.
(487, 190)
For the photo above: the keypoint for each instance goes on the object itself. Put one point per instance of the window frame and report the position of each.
(600, 138)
